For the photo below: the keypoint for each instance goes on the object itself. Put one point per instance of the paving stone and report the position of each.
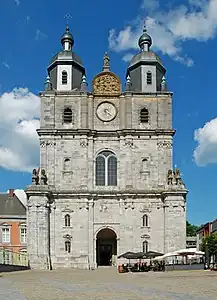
(108, 284)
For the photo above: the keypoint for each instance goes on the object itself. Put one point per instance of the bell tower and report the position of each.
(146, 69)
(66, 68)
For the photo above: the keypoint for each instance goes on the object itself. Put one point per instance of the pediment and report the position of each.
(106, 83)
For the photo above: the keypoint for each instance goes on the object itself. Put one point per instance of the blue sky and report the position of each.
(184, 35)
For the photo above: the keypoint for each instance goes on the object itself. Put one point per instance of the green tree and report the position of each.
(191, 230)
(209, 246)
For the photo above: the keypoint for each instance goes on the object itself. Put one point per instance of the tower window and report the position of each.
(144, 115)
(149, 77)
(145, 247)
(145, 221)
(64, 77)
(106, 169)
(68, 246)
(67, 221)
(67, 115)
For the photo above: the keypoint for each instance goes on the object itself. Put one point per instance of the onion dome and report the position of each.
(67, 37)
(145, 41)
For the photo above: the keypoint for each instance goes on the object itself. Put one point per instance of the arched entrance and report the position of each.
(106, 246)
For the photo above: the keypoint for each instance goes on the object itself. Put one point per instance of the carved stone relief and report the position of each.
(145, 236)
(84, 143)
(164, 144)
(145, 208)
(129, 143)
(106, 83)
(47, 144)
(129, 205)
(42, 144)
(67, 236)
(83, 205)
(103, 206)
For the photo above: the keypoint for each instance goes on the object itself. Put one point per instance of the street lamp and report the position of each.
(206, 255)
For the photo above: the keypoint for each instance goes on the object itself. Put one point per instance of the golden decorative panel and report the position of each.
(106, 83)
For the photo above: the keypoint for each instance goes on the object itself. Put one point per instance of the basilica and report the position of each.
(106, 183)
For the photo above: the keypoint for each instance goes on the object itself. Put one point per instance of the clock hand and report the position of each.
(107, 112)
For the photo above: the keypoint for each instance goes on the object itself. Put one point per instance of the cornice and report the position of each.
(97, 133)
(124, 194)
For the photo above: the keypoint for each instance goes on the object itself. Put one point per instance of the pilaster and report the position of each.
(38, 241)
(174, 219)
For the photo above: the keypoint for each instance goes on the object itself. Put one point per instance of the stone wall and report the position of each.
(68, 153)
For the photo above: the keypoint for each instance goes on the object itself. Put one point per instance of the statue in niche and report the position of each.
(35, 177)
(43, 177)
(177, 176)
(170, 177)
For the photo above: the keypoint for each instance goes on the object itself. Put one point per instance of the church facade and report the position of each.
(106, 184)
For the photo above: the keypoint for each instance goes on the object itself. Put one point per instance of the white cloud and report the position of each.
(19, 145)
(127, 57)
(169, 29)
(206, 150)
(39, 35)
(17, 2)
(6, 64)
(28, 19)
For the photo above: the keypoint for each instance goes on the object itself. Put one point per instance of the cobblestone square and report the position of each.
(106, 283)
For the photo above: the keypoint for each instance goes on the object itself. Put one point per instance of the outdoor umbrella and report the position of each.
(152, 254)
(128, 255)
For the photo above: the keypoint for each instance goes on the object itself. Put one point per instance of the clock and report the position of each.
(106, 111)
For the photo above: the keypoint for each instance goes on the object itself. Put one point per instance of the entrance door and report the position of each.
(105, 254)
(106, 247)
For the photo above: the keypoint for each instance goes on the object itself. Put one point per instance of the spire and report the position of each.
(48, 85)
(106, 66)
(128, 83)
(164, 84)
(67, 40)
(84, 83)
(145, 40)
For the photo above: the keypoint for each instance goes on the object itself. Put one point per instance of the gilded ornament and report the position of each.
(106, 83)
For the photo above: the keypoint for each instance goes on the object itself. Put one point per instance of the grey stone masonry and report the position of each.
(106, 215)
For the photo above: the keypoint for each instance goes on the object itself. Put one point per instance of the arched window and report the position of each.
(145, 221)
(149, 77)
(64, 77)
(145, 247)
(68, 246)
(67, 220)
(144, 115)
(67, 115)
(66, 164)
(106, 169)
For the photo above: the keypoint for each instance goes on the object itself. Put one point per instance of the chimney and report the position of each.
(11, 192)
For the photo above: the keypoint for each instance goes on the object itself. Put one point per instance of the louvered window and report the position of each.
(67, 115)
(149, 77)
(144, 115)
(64, 77)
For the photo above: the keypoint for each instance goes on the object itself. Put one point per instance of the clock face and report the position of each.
(106, 111)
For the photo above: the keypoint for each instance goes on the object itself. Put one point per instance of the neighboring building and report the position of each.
(12, 222)
(214, 226)
(191, 242)
(202, 233)
(108, 159)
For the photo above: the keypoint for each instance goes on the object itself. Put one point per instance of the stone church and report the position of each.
(105, 184)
